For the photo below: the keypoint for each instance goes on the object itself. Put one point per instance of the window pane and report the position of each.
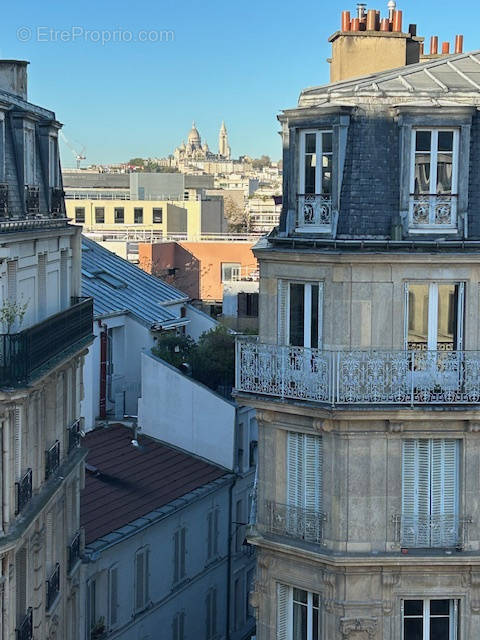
(444, 173)
(327, 175)
(418, 316)
(310, 142)
(422, 173)
(423, 140)
(413, 629)
(296, 315)
(314, 325)
(299, 622)
(413, 607)
(445, 140)
(300, 596)
(440, 607)
(315, 634)
(310, 167)
(439, 629)
(447, 320)
(327, 143)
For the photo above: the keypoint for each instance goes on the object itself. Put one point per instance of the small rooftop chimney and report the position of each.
(392, 5)
(13, 77)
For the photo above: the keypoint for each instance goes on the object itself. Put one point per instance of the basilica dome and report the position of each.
(194, 137)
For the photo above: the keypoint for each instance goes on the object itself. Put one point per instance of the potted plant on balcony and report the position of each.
(12, 312)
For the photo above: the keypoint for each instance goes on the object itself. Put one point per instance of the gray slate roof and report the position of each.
(448, 77)
(116, 285)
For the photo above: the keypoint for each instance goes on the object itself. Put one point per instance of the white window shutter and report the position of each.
(18, 441)
(313, 473)
(282, 312)
(42, 285)
(283, 612)
(423, 492)
(444, 492)
(12, 280)
(295, 478)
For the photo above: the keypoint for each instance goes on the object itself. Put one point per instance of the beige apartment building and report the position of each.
(366, 370)
(45, 331)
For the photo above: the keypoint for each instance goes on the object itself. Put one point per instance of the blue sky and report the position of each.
(238, 61)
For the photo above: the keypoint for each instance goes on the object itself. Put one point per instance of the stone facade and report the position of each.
(356, 365)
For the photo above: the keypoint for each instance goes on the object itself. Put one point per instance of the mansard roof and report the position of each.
(456, 76)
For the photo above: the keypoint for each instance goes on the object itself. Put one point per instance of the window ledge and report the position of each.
(434, 230)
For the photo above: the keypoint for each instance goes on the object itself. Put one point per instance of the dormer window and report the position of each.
(29, 156)
(314, 200)
(434, 180)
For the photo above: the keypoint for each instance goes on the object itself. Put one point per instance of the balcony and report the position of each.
(32, 199)
(433, 212)
(295, 522)
(358, 377)
(53, 587)
(74, 552)
(431, 532)
(24, 354)
(74, 435)
(57, 202)
(24, 491)
(314, 212)
(52, 460)
(25, 630)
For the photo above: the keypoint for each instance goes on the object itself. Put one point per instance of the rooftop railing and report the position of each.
(24, 491)
(357, 377)
(24, 353)
(52, 460)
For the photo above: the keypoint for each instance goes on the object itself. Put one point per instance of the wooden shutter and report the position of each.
(283, 612)
(313, 472)
(139, 581)
(113, 595)
(12, 280)
(444, 496)
(42, 285)
(282, 312)
(415, 492)
(295, 481)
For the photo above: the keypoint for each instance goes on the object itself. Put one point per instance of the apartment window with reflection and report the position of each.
(315, 179)
(157, 215)
(435, 316)
(138, 215)
(434, 179)
(298, 614)
(300, 314)
(119, 215)
(230, 271)
(80, 215)
(431, 619)
(99, 215)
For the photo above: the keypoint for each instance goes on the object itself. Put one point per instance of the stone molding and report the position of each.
(389, 580)
(348, 626)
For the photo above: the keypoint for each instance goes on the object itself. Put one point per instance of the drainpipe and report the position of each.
(103, 370)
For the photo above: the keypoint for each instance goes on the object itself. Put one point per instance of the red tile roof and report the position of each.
(123, 483)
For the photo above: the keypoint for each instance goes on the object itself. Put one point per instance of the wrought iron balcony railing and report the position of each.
(74, 552)
(25, 630)
(429, 532)
(52, 460)
(433, 211)
(3, 200)
(23, 354)
(314, 210)
(358, 377)
(24, 491)
(57, 201)
(74, 435)
(32, 199)
(295, 522)
(53, 586)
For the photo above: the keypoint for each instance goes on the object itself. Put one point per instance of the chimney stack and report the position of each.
(13, 77)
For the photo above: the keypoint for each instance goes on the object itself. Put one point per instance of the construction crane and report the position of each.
(79, 156)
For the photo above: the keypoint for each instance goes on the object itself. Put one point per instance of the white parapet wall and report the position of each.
(180, 411)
